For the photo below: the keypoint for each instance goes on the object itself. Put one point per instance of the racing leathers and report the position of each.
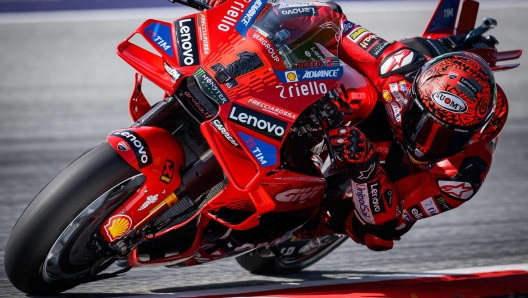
(390, 190)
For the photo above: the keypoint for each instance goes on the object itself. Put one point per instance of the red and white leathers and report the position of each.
(386, 208)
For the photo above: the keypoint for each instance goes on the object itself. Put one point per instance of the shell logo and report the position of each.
(117, 226)
(291, 76)
(386, 95)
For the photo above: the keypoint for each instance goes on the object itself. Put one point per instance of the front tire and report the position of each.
(55, 212)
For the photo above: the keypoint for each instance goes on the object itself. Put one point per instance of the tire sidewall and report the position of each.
(54, 208)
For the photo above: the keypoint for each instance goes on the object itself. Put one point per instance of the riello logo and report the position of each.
(449, 101)
(268, 126)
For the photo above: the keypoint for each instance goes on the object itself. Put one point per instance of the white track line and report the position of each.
(349, 280)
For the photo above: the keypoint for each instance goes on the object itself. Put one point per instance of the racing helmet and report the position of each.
(452, 99)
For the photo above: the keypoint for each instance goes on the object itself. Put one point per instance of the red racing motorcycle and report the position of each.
(230, 163)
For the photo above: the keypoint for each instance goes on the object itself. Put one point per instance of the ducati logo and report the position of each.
(298, 195)
(123, 146)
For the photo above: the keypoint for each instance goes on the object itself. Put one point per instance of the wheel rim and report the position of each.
(103, 205)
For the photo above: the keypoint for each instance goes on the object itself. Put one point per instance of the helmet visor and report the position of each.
(428, 139)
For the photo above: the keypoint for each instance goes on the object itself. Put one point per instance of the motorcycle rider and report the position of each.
(442, 116)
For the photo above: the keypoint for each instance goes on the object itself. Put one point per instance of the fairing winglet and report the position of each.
(443, 19)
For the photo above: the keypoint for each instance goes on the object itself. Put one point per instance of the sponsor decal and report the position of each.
(368, 41)
(249, 16)
(266, 125)
(150, 200)
(204, 34)
(416, 212)
(199, 107)
(376, 204)
(210, 87)
(291, 76)
(396, 115)
(298, 195)
(117, 226)
(138, 145)
(293, 12)
(442, 203)
(379, 48)
(223, 130)
(394, 88)
(265, 153)
(388, 197)
(167, 171)
(396, 60)
(232, 15)
(270, 48)
(160, 34)
(299, 75)
(187, 42)
(175, 75)
(406, 216)
(449, 101)
(355, 96)
(271, 109)
(456, 189)
(310, 64)
(263, 13)
(386, 95)
(429, 207)
(123, 146)
(246, 62)
(365, 174)
(347, 26)
(357, 33)
(302, 89)
(471, 84)
(403, 87)
(361, 202)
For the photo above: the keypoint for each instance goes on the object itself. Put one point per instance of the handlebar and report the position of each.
(487, 24)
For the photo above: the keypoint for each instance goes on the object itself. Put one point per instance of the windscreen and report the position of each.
(306, 35)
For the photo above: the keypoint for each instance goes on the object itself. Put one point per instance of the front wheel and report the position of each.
(290, 256)
(50, 248)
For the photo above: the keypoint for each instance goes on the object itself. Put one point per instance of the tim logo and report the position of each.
(168, 171)
(298, 195)
(448, 13)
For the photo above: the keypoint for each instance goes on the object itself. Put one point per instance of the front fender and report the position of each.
(159, 157)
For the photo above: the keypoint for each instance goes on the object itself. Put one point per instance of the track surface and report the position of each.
(63, 89)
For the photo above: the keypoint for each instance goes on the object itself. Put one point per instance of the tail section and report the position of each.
(444, 17)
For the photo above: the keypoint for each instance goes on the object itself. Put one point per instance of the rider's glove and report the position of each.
(351, 145)
(358, 233)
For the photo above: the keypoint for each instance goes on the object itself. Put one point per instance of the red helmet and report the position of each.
(453, 97)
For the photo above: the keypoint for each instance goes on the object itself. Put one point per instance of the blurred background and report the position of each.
(63, 89)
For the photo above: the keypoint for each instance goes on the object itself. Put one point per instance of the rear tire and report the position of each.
(294, 255)
(50, 214)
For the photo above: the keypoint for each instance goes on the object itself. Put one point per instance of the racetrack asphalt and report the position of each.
(63, 89)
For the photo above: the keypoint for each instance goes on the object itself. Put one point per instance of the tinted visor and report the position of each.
(427, 139)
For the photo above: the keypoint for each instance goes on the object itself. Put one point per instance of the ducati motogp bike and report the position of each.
(230, 163)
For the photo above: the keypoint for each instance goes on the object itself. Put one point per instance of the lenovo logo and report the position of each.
(268, 126)
(187, 42)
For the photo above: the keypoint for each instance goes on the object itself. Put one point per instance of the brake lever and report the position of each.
(487, 24)
(196, 4)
